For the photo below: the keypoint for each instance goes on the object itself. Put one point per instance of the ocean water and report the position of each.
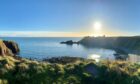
(39, 48)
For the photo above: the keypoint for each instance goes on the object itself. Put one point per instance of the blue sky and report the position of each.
(69, 17)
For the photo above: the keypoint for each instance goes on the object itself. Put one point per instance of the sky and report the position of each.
(69, 18)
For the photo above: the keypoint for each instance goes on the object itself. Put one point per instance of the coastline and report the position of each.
(66, 70)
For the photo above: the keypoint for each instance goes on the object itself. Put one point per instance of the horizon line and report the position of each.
(56, 34)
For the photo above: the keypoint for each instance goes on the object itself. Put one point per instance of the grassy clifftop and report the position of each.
(23, 71)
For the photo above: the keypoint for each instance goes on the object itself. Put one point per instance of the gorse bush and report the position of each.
(23, 71)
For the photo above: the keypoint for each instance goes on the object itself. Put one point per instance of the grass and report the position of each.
(24, 71)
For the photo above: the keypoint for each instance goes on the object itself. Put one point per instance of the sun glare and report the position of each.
(97, 25)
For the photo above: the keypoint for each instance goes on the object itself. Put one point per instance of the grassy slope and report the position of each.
(25, 71)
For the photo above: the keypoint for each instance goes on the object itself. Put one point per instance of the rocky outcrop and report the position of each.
(69, 42)
(63, 60)
(8, 48)
(12, 46)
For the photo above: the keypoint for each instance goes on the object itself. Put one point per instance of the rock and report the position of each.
(121, 56)
(8, 48)
(69, 42)
(12, 46)
(4, 50)
(63, 60)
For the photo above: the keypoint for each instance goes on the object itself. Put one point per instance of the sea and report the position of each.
(48, 47)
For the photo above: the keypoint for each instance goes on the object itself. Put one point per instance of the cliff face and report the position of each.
(8, 48)
(12, 46)
(124, 43)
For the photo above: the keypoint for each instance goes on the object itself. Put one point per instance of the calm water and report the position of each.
(40, 48)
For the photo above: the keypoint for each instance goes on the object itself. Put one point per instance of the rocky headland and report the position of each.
(119, 44)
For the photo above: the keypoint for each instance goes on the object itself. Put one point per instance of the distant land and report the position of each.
(127, 44)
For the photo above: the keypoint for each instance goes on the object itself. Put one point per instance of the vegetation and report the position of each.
(23, 71)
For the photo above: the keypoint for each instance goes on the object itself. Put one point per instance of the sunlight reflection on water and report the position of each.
(94, 57)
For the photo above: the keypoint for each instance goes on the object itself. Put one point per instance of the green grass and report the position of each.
(24, 71)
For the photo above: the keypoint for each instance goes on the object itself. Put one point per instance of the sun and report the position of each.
(97, 29)
(97, 25)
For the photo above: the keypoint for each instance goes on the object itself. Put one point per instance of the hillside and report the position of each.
(127, 44)
(23, 71)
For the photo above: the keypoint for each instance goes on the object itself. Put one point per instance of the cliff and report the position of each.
(8, 48)
(127, 44)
